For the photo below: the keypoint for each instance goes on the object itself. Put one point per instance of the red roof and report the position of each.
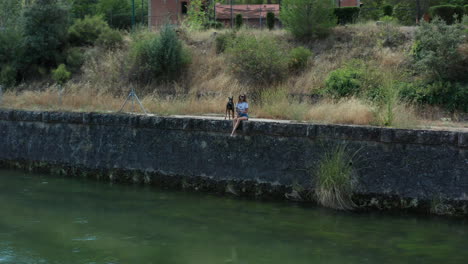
(247, 11)
(345, 3)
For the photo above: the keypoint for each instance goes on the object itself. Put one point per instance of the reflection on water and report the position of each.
(45, 219)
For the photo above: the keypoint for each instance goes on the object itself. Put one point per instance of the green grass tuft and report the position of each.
(334, 182)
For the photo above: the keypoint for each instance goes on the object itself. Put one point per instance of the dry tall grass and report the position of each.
(203, 89)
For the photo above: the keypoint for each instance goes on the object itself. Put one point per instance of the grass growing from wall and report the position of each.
(334, 182)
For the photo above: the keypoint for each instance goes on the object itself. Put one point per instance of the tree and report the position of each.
(45, 32)
(306, 18)
(82, 8)
(196, 15)
(10, 12)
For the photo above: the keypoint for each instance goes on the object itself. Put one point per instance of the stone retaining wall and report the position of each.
(395, 168)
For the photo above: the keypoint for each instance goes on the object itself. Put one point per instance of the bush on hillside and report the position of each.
(213, 24)
(270, 20)
(308, 18)
(239, 21)
(110, 39)
(387, 10)
(45, 33)
(438, 51)
(11, 54)
(298, 58)
(257, 59)
(8, 75)
(344, 82)
(223, 40)
(61, 75)
(404, 12)
(87, 30)
(347, 15)
(451, 96)
(159, 57)
(448, 13)
(75, 58)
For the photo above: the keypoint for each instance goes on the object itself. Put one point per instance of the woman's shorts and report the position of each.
(243, 115)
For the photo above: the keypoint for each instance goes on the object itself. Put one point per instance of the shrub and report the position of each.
(223, 40)
(213, 24)
(87, 30)
(298, 58)
(308, 18)
(45, 32)
(61, 75)
(387, 10)
(196, 16)
(75, 58)
(239, 21)
(388, 20)
(8, 75)
(347, 15)
(452, 96)
(344, 82)
(11, 48)
(334, 183)
(257, 59)
(437, 51)
(110, 39)
(159, 57)
(403, 11)
(270, 20)
(447, 13)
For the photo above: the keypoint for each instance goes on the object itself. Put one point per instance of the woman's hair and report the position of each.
(243, 98)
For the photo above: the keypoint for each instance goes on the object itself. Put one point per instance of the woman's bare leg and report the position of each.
(237, 124)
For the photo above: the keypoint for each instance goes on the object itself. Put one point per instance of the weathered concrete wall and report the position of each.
(406, 166)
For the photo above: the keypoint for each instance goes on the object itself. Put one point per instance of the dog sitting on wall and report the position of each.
(229, 108)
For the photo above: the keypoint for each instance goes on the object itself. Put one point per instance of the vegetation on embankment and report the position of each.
(359, 74)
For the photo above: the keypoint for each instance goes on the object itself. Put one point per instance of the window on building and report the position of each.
(184, 7)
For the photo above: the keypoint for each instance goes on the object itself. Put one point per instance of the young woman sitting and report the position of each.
(242, 109)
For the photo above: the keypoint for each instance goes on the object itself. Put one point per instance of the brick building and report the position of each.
(348, 3)
(253, 15)
(162, 11)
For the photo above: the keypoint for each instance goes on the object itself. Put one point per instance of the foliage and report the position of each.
(110, 39)
(45, 32)
(239, 21)
(75, 58)
(11, 53)
(387, 10)
(306, 18)
(403, 11)
(10, 12)
(223, 40)
(118, 13)
(83, 8)
(87, 30)
(347, 15)
(298, 58)
(451, 95)
(213, 24)
(160, 57)
(8, 75)
(334, 182)
(258, 59)
(344, 82)
(448, 13)
(270, 20)
(196, 16)
(61, 75)
(438, 51)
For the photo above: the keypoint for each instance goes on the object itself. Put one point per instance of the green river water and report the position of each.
(47, 219)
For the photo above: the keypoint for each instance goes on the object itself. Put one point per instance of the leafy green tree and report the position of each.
(270, 20)
(239, 21)
(118, 13)
(10, 13)
(82, 8)
(196, 16)
(45, 32)
(306, 18)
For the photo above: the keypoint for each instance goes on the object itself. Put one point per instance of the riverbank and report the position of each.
(418, 170)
